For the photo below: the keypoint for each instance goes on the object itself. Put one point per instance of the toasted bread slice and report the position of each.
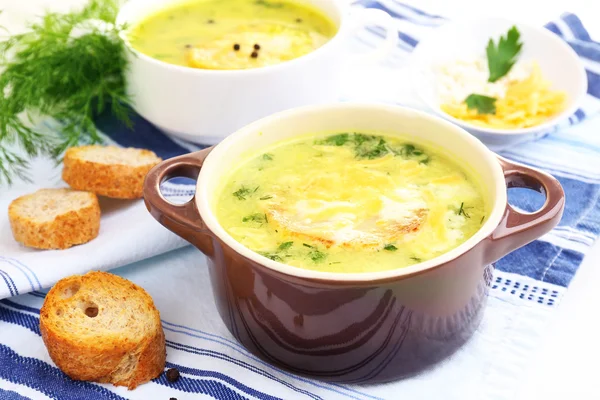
(108, 170)
(54, 218)
(103, 328)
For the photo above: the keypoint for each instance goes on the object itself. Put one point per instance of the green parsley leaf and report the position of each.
(483, 104)
(390, 247)
(501, 58)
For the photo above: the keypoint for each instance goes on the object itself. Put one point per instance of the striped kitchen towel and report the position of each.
(577, 167)
(526, 287)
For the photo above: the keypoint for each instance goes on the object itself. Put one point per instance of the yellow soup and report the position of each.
(350, 202)
(232, 34)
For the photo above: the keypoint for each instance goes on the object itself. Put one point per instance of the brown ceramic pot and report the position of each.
(359, 327)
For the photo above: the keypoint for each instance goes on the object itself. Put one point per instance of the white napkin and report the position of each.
(128, 233)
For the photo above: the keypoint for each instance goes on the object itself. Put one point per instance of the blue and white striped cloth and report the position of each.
(527, 285)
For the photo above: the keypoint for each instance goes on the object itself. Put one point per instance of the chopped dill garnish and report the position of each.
(266, 197)
(47, 72)
(307, 245)
(241, 193)
(417, 259)
(269, 4)
(162, 56)
(372, 146)
(462, 210)
(336, 140)
(285, 245)
(360, 138)
(317, 256)
(482, 218)
(390, 247)
(258, 217)
(372, 149)
(409, 149)
(272, 256)
(335, 262)
(267, 156)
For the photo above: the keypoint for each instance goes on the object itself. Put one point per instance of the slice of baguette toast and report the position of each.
(54, 218)
(108, 170)
(103, 328)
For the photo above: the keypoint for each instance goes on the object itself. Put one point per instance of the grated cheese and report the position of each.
(523, 97)
(458, 79)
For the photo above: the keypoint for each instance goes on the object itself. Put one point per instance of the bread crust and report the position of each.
(104, 359)
(71, 228)
(111, 180)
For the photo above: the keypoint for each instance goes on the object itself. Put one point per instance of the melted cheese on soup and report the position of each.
(350, 202)
(232, 34)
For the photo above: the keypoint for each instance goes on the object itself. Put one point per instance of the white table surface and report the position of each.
(566, 363)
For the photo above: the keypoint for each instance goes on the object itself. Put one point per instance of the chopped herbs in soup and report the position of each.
(232, 34)
(350, 202)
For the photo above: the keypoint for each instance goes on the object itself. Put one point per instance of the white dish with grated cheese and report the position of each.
(450, 64)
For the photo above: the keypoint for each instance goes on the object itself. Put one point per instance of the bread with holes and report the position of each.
(108, 170)
(103, 328)
(54, 218)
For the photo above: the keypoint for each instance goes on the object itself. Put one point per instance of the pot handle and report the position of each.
(182, 219)
(372, 16)
(518, 228)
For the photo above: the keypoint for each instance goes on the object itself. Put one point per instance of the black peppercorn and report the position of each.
(254, 54)
(256, 47)
(236, 47)
(172, 375)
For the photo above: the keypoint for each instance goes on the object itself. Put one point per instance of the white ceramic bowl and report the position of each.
(204, 106)
(468, 38)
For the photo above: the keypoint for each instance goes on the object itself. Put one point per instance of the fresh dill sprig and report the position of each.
(48, 72)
